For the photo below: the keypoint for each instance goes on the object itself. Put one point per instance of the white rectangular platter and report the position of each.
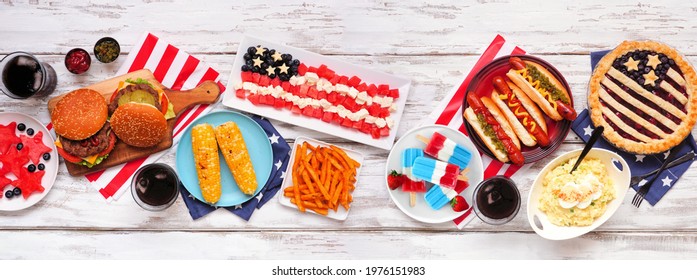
(342, 68)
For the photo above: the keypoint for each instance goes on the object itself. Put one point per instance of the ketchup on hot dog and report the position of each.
(565, 110)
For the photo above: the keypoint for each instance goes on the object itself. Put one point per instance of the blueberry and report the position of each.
(664, 59)
(272, 75)
(262, 71)
(30, 131)
(9, 194)
(647, 70)
(31, 168)
(47, 156)
(264, 65)
(247, 57)
(20, 146)
(249, 63)
(256, 69)
(287, 57)
(641, 80)
(636, 56)
(251, 50)
(41, 166)
(671, 62)
(21, 127)
(245, 68)
(17, 191)
(295, 62)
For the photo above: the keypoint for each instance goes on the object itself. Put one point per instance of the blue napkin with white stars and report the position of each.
(639, 164)
(281, 155)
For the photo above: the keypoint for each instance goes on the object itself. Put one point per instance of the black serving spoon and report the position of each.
(591, 141)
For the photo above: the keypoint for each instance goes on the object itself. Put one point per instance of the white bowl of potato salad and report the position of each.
(563, 205)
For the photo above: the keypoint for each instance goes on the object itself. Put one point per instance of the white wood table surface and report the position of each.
(433, 42)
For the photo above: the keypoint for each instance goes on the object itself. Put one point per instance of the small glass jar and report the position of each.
(496, 200)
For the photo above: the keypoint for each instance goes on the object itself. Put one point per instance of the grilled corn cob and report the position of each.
(207, 162)
(236, 155)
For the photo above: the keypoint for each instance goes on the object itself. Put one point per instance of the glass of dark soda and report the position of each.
(24, 76)
(496, 200)
(155, 187)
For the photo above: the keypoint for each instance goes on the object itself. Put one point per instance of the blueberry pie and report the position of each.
(643, 94)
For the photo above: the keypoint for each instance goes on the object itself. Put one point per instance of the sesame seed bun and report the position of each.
(79, 114)
(139, 124)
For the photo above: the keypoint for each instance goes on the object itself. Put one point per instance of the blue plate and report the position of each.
(258, 146)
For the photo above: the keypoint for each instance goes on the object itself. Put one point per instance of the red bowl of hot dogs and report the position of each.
(518, 109)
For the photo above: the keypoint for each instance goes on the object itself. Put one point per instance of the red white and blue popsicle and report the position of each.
(444, 149)
(411, 184)
(435, 171)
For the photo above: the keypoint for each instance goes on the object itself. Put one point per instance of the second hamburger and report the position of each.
(139, 113)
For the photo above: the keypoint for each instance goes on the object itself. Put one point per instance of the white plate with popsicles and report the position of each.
(422, 209)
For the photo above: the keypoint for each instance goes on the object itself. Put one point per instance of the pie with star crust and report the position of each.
(642, 92)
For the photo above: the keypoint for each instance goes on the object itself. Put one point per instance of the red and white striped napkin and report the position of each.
(175, 69)
(449, 113)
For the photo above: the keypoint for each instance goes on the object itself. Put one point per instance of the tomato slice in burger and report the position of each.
(112, 143)
(164, 103)
(68, 157)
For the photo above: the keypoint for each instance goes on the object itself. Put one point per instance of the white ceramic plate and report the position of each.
(19, 203)
(619, 173)
(341, 213)
(422, 212)
(313, 59)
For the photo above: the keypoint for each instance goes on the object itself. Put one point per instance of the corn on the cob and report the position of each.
(207, 161)
(235, 152)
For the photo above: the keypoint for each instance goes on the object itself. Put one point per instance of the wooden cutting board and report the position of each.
(206, 93)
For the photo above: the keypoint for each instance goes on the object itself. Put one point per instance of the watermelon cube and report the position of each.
(268, 100)
(321, 70)
(365, 128)
(343, 80)
(372, 90)
(312, 92)
(308, 111)
(383, 89)
(246, 76)
(340, 99)
(255, 78)
(354, 81)
(289, 105)
(327, 117)
(240, 93)
(375, 132)
(264, 80)
(374, 110)
(286, 86)
(275, 82)
(318, 113)
(312, 69)
(358, 124)
(335, 79)
(384, 112)
(302, 69)
(302, 91)
(349, 104)
(394, 93)
(337, 119)
(332, 97)
(322, 95)
(254, 98)
(347, 123)
(329, 74)
(296, 110)
(362, 87)
(385, 131)
(279, 103)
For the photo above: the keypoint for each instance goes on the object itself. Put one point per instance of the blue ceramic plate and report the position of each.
(258, 146)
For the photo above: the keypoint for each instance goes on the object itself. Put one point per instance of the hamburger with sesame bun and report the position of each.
(139, 112)
(84, 136)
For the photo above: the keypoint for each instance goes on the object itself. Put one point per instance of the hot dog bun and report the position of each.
(471, 118)
(534, 95)
(529, 105)
(518, 127)
(503, 121)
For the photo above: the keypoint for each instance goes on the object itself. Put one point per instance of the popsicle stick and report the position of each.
(463, 174)
(412, 199)
(423, 139)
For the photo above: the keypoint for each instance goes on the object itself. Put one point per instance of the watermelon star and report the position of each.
(13, 160)
(8, 137)
(4, 182)
(29, 182)
(35, 146)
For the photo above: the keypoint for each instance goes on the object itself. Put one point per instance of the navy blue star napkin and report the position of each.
(639, 164)
(281, 155)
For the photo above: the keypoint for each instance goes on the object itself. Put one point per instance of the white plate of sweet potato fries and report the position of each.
(321, 178)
